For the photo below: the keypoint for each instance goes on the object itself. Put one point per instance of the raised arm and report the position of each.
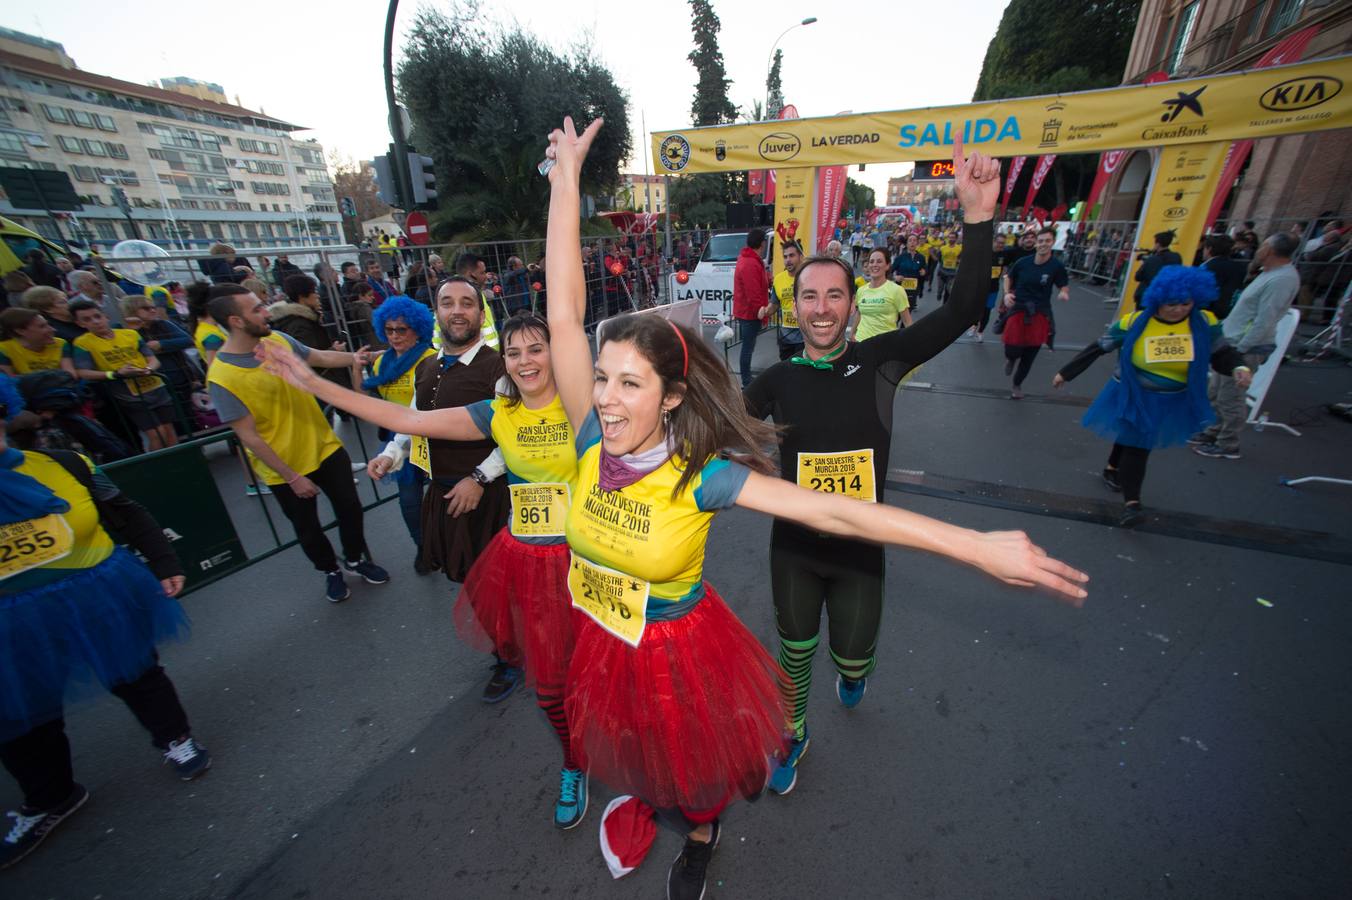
(567, 306)
(1008, 555)
(443, 424)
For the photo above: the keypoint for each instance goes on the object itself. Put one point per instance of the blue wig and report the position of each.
(418, 316)
(1181, 284)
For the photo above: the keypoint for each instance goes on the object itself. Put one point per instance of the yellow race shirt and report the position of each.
(208, 336)
(73, 540)
(288, 419)
(948, 255)
(641, 531)
(879, 309)
(788, 318)
(1164, 350)
(13, 353)
(539, 449)
(111, 354)
(401, 389)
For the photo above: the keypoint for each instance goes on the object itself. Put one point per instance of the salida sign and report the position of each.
(1267, 102)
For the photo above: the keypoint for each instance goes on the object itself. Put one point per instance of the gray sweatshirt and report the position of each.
(1253, 321)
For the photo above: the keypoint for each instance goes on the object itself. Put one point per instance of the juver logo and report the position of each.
(779, 147)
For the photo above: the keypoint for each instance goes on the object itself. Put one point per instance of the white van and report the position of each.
(711, 282)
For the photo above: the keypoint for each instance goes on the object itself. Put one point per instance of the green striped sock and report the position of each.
(855, 669)
(795, 658)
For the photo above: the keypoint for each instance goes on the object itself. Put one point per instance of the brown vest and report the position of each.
(460, 385)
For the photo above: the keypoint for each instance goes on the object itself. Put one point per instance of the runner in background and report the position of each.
(670, 698)
(514, 602)
(998, 250)
(948, 255)
(290, 443)
(76, 608)
(790, 338)
(1026, 319)
(1158, 396)
(882, 305)
(909, 268)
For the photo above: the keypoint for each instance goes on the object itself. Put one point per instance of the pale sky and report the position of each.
(319, 65)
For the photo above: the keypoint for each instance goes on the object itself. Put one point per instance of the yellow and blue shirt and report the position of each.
(125, 348)
(400, 390)
(1164, 350)
(208, 336)
(90, 544)
(538, 448)
(641, 531)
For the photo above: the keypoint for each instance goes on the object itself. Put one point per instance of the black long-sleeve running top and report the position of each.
(849, 406)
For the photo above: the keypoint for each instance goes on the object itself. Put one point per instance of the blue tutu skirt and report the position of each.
(95, 627)
(1171, 420)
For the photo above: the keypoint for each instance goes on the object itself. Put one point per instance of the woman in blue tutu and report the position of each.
(1157, 396)
(76, 608)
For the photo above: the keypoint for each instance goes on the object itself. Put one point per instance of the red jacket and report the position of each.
(750, 285)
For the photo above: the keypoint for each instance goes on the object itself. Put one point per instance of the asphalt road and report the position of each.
(1176, 737)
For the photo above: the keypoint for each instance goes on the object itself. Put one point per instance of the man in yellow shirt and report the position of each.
(287, 437)
(790, 338)
(119, 359)
(948, 254)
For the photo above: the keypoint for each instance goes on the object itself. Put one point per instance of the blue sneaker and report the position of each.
(785, 775)
(572, 803)
(503, 682)
(850, 691)
(369, 571)
(188, 758)
(336, 588)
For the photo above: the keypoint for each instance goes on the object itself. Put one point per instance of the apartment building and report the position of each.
(194, 167)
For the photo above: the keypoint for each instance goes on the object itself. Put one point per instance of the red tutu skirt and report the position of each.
(1023, 330)
(687, 719)
(515, 602)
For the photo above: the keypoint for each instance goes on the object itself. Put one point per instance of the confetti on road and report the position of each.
(1262, 602)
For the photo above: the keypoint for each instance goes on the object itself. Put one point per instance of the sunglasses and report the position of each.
(397, 329)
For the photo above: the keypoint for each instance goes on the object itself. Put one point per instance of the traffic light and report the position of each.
(423, 180)
(348, 207)
(387, 182)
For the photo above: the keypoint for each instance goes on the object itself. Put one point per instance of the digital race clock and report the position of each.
(934, 170)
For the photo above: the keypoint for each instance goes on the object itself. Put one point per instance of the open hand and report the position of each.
(1014, 559)
(976, 179)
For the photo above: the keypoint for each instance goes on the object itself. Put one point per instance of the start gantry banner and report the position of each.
(1308, 96)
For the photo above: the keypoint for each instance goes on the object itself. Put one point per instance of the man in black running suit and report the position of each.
(835, 402)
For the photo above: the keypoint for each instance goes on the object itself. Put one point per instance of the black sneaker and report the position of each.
(1201, 439)
(31, 828)
(687, 877)
(369, 571)
(503, 682)
(1111, 480)
(335, 588)
(1216, 451)
(188, 758)
(1132, 515)
(422, 566)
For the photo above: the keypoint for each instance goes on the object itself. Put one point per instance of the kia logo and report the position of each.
(1301, 93)
(779, 147)
(1175, 212)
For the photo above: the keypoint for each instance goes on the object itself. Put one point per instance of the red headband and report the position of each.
(685, 351)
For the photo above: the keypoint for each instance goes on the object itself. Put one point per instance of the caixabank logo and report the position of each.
(675, 152)
(1296, 94)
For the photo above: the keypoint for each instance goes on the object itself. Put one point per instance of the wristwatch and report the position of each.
(479, 477)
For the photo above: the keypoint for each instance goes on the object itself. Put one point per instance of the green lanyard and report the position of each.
(824, 362)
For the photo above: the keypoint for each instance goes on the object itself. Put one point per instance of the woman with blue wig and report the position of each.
(1157, 396)
(407, 327)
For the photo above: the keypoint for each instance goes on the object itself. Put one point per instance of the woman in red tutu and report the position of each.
(515, 598)
(669, 697)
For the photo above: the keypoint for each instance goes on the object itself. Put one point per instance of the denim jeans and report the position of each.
(747, 329)
(410, 502)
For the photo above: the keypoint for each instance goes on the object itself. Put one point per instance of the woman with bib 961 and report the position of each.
(669, 697)
(515, 598)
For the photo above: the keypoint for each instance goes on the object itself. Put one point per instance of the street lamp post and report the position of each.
(770, 61)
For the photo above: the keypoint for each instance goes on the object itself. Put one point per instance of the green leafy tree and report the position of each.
(1029, 56)
(774, 88)
(482, 97)
(859, 197)
(697, 200)
(711, 105)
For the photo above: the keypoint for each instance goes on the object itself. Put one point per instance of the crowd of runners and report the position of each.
(570, 495)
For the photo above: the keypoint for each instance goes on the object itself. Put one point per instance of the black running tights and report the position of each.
(1024, 356)
(1130, 465)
